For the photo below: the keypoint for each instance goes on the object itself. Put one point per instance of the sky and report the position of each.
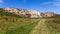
(39, 5)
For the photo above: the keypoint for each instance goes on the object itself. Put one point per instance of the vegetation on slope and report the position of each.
(53, 25)
(14, 24)
(4, 13)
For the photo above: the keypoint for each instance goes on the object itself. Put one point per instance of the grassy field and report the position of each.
(14, 24)
(53, 25)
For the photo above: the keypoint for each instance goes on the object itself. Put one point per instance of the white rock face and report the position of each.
(32, 13)
(47, 14)
(29, 13)
(11, 9)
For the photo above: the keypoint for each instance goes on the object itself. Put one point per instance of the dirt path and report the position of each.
(40, 28)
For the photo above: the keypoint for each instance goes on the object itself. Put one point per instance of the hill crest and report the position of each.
(28, 13)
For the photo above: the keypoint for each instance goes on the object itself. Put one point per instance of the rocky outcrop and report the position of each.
(47, 14)
(22, 12)
(29, 13)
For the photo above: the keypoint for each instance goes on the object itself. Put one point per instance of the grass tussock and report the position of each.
(53, 25)
(14, 24)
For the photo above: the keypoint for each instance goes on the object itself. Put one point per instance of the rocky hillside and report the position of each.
(11, 22)
(28, 13)
(14, 24)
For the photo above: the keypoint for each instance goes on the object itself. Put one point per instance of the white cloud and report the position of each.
(46, 3)
(56, 0)
(1, 1)
(57, 3)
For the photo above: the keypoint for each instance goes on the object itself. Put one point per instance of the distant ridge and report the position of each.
(29, 13)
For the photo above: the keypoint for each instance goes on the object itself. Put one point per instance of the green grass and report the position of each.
(4, 13)
(14, 24)
(53, 25)
(21, 26)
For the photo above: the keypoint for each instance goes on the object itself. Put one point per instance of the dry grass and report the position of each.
(13, 25)
(53, 25)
